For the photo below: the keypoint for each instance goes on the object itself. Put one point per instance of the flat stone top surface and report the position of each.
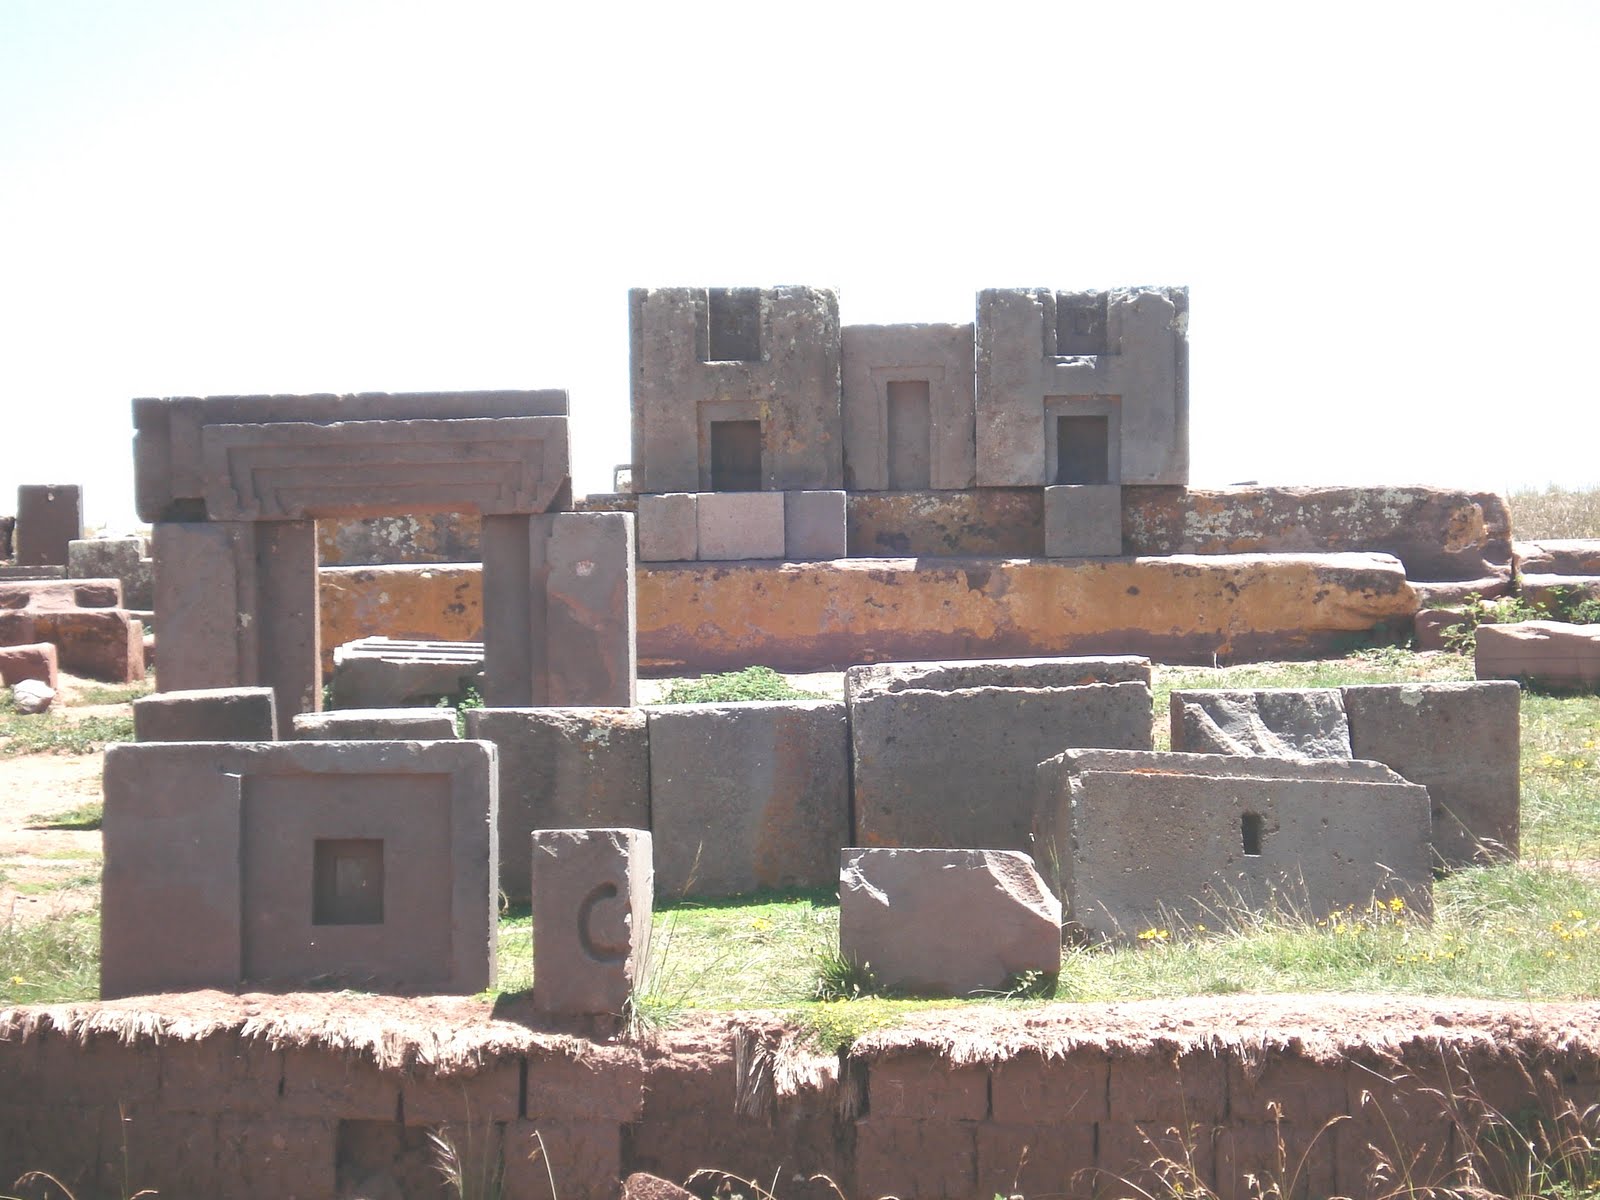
(354, 406)
(1232, 766)
(954, 674)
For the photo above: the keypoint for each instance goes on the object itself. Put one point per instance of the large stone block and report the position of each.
(593, 893)
(244, 714)
(49, 516)
(374, 454)
(1461, 741)
(1552, 556)
(907, 407)
(105, 644)
(739, 525)
(956, 769)
(37, 660)
(1278, 723)
(748, 796)
(1545, 652)
(946, 922)
(1082, 387)
(994, 673)
(669, 527)
(288, 864)
(59, 595)
(814, 526)
(735, 389)
(1138, 840)
(376, 725)
(564, 768)
(125, 559)
(591, 654)
(383, 672)
(1082, 520)
(449, 537)
(982, 523)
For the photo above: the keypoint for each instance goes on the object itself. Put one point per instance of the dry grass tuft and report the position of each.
(1555, 513)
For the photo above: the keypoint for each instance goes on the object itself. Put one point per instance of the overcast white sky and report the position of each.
(1385, 212)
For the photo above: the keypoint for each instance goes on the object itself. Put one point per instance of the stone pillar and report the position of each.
(512, 612)
(593, 893)
(48, 517)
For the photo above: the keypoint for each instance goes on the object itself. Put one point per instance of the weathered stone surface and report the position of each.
(12, 572)
(907, 407)
(739, 525)
(405, 603)
(243, 714)
(813, 526)
(1553, 556)
(376, 725)
(125, 559)
(946, 922)
(233, 457)
(564, 768)
(1553, 591)
(643, 1186)
(1180, 609)
(748, 796)
(1120, 355)
(1143, 838)
(7, 527)
(1082, 520)
(669, 527)
(1461, 741)
(1432, 624)
(590, 651)
(284, 863)
(104, 644)
(32, 696)
(49, 515)
(383, 672)
(1544, 652)
(593, 893)
(1438, 534)
(36, 660)
(701, 356)
(450, 537)
(956, 768)
(994, 673)
(985, 522)
(59, 595)
(1275, 722)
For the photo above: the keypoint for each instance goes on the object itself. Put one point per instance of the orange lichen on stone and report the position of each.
(441, 603)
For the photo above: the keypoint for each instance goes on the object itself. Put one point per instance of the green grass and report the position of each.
(50, 961)
(119, 694)
(1560, 776)
(752, 683)
(85, 817)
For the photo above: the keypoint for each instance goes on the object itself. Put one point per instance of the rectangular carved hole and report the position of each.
(736, 456)
(735, 324)
(910, 435)
(1083, 450)
(1250, 832)
(347, 881)
(1080, 325)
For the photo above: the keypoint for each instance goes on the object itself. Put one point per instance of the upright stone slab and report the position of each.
(669, 527)
(1083, 521)
(748, 796)
(49, 516)
(376, 725)
(907, 406)
(1276, 722)
(814, 526)
(125, 559)
(368, 865)
(1136, 841)
(956, 769)
(593, 893)
(735, 389)
(8, 525)
(1461, 741)
(946, 922)
(740, 525)
(1082, 387)
(564, 768)
(245, 714)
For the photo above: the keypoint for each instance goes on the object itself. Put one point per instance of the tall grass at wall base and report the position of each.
(1555, 513)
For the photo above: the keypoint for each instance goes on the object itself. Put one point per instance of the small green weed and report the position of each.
(121, 694)
(84, 817)
(840, 977)
(464, 700)
(732, 687)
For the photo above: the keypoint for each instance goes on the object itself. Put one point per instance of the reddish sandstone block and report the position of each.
(1160, 1091)
(584, 1158)
(1029, 1088)
(1045, 1159)
(603, 1085)
(896, 1156)
(36, 660)
(276, 1158)
(923, 1086)
(492, 1094)
(1299, 1158)
(1304, 1092)
(221, 1073)
(322, 1083)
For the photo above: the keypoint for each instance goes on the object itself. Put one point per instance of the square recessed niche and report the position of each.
(347, 881)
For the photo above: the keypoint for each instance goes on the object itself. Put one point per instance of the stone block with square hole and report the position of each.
(1082, 387)
(740, 525)
(1083, 520)
(907, 405)
(1140, 840)
(593, 894)
(735, 389)
(748, 796)
(814, 526)
(287, 865)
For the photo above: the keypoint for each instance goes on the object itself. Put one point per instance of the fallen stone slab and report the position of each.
(1548, 653)
(1559, 556)
(593, 894)
(32, 661)
(422, 602)
(946, 922)
(1139, 841)
(383, 672)
(1278, 723)
(953, 676)
(376, 725)
(244, 714)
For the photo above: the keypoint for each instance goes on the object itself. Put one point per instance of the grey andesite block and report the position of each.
(376, 725)
(814, 526)
(369, 865)
(748, 796)
(564, 768)
(956, 769)
(1134, 839)
(907, 406)
(49, 517)
(1083, 521)
(116, 558)
(668, 527)
(593, 894)
(946, 922)
(1276, 722)
(953, 676)
(382, 672)
(1461, 741)
(245, 714)
(740, 525)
